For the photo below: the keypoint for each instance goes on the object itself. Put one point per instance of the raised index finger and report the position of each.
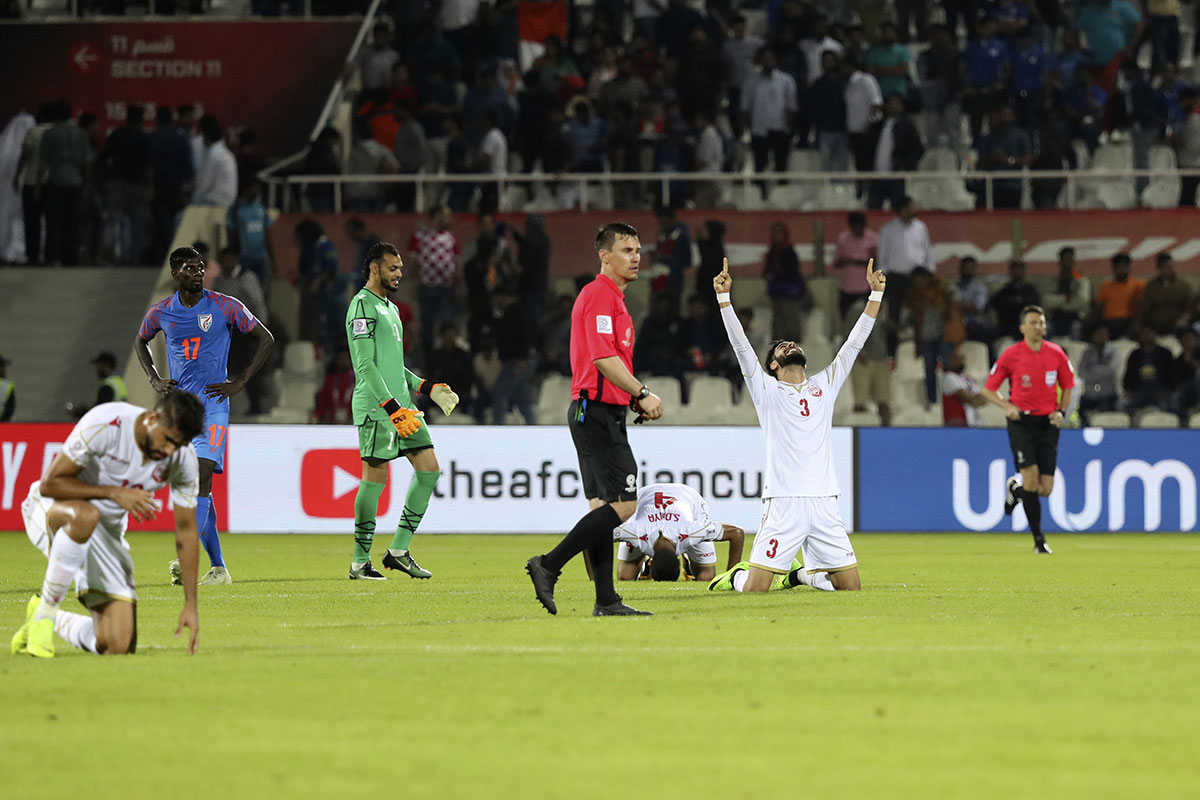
(725, 266)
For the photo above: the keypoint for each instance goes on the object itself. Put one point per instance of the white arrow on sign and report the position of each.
(343, 482)
(84, 57)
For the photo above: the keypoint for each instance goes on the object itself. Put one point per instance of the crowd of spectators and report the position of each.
(1004, 85)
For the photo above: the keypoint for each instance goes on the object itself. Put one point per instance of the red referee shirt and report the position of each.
(1033, 376)
(600, 327)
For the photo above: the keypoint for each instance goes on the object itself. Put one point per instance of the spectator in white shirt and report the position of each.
(493, 153)
(819, 42)
(217, 177)
(739, 51)
(377, 59)
(903, 246)
(961, 397)
(709, 157)
(864, 105)
(769, 107)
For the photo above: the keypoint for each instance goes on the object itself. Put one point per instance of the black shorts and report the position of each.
(606, 461)
(1034, 442)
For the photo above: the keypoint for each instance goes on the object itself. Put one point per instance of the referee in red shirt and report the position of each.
(1035, 369)
(602, 388)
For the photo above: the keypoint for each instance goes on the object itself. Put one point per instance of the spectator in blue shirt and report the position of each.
(1070, 56)
(1169, 95)
(987, 60)
(1084, 108)
(1011, 17)
(1004, 148)
(1111, 28)
(247, 222)
(1028, 69)
(941, 69)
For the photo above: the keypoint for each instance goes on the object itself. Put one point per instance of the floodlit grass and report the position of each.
(967, 668)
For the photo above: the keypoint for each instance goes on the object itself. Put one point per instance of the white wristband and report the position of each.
(722, 297)
(876, 296)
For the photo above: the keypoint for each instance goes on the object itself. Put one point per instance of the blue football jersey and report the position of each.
(197, 337)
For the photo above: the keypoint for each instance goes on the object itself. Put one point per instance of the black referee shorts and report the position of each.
(1034, 442)
(606, 461)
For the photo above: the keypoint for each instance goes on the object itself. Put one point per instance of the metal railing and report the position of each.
(814, 191)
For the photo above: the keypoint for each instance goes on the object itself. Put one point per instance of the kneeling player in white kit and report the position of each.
(800, 510)
(111, 465)
(672, 520)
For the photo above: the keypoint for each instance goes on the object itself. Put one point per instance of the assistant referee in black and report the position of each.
(1035, 369)
(602, 389)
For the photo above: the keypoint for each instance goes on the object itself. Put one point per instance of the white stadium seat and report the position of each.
(1108, 419)
(1156, 419)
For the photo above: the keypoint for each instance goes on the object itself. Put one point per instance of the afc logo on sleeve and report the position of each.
(604, 323)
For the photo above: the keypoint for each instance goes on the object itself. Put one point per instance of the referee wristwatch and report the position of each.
(644, 392)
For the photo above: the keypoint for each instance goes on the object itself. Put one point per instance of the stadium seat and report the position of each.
(941, 194)
(856, 419)
(1113, 157)
(790, 196)
(1153, 418)
(1162, 158)
(1194, 420)
(669, 391)
(553, 398)
(1124, 347)
(710, 397)
(287, 416)
(743, 413)
(1108, 419)
(1117, 194)
(1075, 350)
(976, 355)
(300, 360)
(908, 390)
(1172, 344)
(819, 354)
(991, 416)
(298, 394)
(1083, 156)
(835, 197)
(938, 159)
(804, 161)
(1162, 192)
(815, 326)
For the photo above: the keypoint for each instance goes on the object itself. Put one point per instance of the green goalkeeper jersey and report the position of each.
(376, 338)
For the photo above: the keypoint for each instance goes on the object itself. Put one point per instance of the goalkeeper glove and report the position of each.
(407, 421)
(444, 396)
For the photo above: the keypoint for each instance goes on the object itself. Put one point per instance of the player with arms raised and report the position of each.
(196, 323)
(671, 521)
(800, 511)
(115, 459)
(385, 412)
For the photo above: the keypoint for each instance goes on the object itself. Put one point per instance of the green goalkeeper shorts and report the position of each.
(379, 440)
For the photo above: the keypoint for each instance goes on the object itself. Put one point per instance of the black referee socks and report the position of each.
(1033, 511)
(594, 527)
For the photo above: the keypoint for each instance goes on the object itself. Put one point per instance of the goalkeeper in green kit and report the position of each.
(384, 411)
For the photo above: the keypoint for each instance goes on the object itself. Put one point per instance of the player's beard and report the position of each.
(792, 359)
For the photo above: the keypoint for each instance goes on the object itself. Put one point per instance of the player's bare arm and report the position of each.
(61, 482)
(877, 280)
(616, 372)
(264, 341)
(1010, 410)
(737, 542)
(157, 382)
(187, 547)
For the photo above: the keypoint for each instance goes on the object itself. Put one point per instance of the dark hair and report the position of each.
(135, 114)
(182, 411)
(856, 218)
(902, 202)
(229, 250)
(664, 565)
(210, 127)
(164, 114)
(1121, 258)
(1162, 258)
(181, 255)
(771, 357)
(1066, 250)
(607, 236)
(1032, 310)
(376, 252)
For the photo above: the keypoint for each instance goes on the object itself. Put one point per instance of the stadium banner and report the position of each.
(953, 480)
(26, 451)
(271, 76)
(1096, 236)
(302, 478)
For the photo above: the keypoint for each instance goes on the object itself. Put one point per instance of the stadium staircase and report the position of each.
(70, 316)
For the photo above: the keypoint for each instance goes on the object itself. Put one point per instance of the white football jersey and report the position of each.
(103, 444)
(797, 420)
(673, 510)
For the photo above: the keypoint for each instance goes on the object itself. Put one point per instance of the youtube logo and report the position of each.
(328, 482)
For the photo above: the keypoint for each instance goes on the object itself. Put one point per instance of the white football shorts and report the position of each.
(106, 574)
(701, 554)
(809, 525)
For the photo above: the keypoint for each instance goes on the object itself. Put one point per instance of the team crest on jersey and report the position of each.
(663, 500)
(814, 391)
(160, 473)
(205, 321)
(1026, 381)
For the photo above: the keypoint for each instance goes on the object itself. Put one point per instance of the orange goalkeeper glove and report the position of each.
(407, 421)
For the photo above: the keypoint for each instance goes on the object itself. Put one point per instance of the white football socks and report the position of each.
(818, 580)
(66, 557)
(76, 629)
(739, 580)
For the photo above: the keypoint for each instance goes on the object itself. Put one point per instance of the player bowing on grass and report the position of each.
(196, 323)
(672, 521)
(115, 459)
(800, 510)
(384, 411)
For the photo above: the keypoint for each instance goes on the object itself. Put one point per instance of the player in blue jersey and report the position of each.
(196, 323)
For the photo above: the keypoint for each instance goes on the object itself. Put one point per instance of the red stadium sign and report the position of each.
(329, 482)
(269, 75)
(27, 450)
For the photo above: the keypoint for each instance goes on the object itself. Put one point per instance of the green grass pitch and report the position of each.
(967, 668)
